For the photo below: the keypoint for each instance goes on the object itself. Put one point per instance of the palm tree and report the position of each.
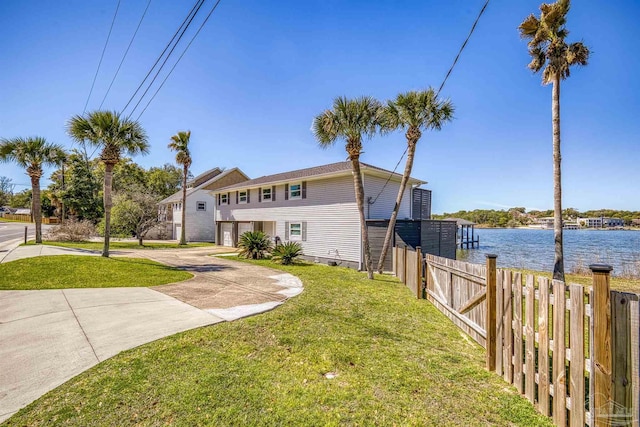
(551, 54)
(32, 154)
(414, 111)
(114, 135)
(180, 144)
(351, 119)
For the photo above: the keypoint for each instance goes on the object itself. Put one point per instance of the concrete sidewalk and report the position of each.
(50, 336)
(16, 252)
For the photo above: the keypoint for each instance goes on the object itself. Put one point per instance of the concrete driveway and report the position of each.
(49, 336)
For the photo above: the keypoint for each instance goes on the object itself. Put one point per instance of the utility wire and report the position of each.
(455, 61)
(125, 54)
(101, 57)
(174, 65)
(195, 6)
(167, 58)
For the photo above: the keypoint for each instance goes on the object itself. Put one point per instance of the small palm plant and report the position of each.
(254, 245)
(287, 253)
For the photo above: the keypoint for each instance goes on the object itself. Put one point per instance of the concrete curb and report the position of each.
(7, 247)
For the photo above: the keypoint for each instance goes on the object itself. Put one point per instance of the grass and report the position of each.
(72, 271)
(398, 361)
(97, 246)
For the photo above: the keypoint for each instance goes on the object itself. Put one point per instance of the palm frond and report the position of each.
(529, 27)
(577, 54)
(417, 109)
(106, 129)
(30, 153)
(180, 144)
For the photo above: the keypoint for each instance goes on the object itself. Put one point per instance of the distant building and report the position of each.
(546, 222)
(601, 222)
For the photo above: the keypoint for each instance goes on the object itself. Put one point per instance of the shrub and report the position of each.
(287, 252)
(254, 245)
(72, 231)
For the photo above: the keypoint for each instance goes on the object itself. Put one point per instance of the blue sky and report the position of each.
(251, 83)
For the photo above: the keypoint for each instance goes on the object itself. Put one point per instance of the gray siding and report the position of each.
(434, 237)
(329, 210)
(439, 238)
(421, 200)
(383, 206)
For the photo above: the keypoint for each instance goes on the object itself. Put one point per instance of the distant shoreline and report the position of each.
(477, 227)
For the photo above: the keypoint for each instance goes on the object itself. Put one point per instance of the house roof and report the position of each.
(177, 197)
(204, 177)
(316, 172)
(460, 221)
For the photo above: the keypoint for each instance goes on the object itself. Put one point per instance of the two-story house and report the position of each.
(200, 205)
(317, 208)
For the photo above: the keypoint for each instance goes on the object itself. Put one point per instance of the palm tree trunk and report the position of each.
(357, 183)
(558, 265)
(36, 207)
(411, 150)
(108, 180)
(183, 239)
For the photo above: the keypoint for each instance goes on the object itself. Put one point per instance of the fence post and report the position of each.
(404, 265)
(491, 311)
(395, 260)
(601, 343)
(418, 272)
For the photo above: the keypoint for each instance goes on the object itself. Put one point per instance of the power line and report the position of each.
(195, 6)
(455, 61)
(125, 54)
(174, 65)
(101, 57)
(167, 58)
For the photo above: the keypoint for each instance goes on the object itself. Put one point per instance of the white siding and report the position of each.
(200, 225)
(383, 207)
(329, 210)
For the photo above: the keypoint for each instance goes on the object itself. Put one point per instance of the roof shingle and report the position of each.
(332, 168)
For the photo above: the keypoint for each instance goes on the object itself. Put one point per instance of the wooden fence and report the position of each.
(572, 351)
(27, 218)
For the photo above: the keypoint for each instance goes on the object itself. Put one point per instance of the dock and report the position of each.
(466, 237)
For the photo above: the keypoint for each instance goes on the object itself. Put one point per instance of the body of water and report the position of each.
(533, 249)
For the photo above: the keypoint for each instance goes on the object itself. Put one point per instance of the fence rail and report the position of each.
(572, 351)
(27, 218)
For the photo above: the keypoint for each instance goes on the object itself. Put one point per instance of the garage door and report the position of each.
(243, 227)
(226, 229)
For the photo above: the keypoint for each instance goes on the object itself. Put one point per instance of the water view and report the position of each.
(533, 249)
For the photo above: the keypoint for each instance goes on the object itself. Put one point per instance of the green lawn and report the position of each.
(398, 361)
(71, 271)
(97, 246)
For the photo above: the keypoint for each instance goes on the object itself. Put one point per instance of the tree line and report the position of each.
(519, 217)
(136, 191)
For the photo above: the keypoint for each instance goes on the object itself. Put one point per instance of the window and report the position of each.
(295, 231)
(295, 191)
(224, 199)
(242, 197)
(201, 206)
(266, 194)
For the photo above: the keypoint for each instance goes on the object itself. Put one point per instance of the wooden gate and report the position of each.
(458, 289)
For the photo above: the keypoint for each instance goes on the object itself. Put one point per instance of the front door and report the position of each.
(226, 229)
